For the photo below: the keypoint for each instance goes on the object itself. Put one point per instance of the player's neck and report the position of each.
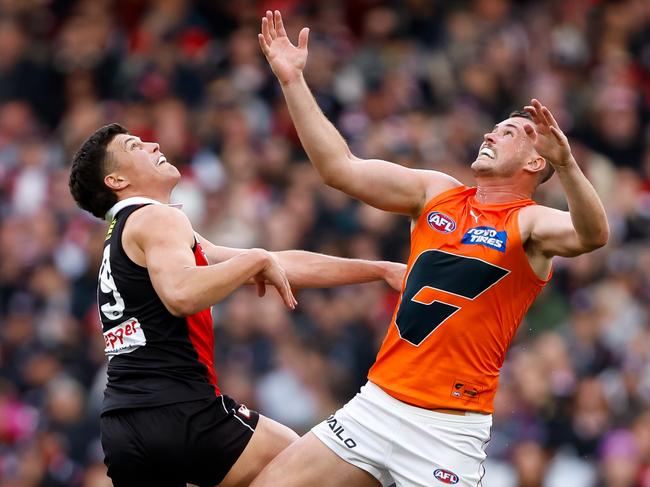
(162, 197)
(497, 193)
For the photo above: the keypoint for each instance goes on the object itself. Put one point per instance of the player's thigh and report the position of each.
(309, 463)
(268, 440)
(129, 438)
(449, 450)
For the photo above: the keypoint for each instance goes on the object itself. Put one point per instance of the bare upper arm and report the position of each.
(162, 238)
(389, 186)
(217, 253)
(548, 232)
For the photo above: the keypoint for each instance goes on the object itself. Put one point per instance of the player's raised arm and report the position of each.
(165, 238)
(379, 183)
(312, 270)
(584, 227)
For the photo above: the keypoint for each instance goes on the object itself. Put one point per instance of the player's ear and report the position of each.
(116, 181)
(535, 165)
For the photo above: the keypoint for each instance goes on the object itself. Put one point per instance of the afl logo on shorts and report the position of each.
(445, 476)
(441, 222)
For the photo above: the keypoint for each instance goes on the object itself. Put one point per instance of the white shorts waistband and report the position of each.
(382, 397)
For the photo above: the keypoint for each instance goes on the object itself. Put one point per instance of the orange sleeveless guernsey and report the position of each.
(467, 287)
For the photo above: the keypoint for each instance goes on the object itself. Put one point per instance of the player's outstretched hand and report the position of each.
(549, 140)
(287, 61)
(394, 274)
(275, 275)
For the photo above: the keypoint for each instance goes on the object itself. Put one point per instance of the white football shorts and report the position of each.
(406, 445)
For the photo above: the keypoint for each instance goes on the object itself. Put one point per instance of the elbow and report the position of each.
(335, 173)
(182, 304)
(599, 240)
(603, 236)
(604, 239)
(331, 179)
(332, 175)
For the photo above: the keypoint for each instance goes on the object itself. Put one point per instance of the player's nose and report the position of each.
(154, 147)
(489, 137)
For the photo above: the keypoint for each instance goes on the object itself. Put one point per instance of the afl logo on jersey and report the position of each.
(445, 476)
(441, 222)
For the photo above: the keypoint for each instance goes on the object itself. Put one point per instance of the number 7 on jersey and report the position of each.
(433, 271)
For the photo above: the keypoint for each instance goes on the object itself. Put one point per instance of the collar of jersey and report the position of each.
(135, 200)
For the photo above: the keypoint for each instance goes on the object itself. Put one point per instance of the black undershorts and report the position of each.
(168, 446)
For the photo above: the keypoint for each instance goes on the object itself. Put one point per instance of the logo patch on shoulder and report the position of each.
(441, 222)
(486, 236)
(445, 476)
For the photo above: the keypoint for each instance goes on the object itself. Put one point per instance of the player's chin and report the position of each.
(171, 173)
(171, 169)
(480, 164)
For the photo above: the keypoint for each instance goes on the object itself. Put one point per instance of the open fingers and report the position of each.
(303, 38)
(292, 299)
(535, 115)
(263, 44)
(279, 279)
(559, 135)
(266, 31)
(537, 104)
(530, 131)
(550, 118)
(543, 111)
(287, 295)
(546, 114)
(269, 19)
(261, 288)
(279, 25)
(538, 110)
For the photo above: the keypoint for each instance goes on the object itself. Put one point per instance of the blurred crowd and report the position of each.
(417, 82)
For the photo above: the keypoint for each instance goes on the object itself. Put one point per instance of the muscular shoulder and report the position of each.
(156, 222)
(437, 182)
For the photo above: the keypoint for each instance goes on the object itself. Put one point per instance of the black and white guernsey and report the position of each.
(155, 358)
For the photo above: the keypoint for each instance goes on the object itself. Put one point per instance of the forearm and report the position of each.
(308, 269)
(587, 212)
(324, 145)
(198, 288)
(379, 183)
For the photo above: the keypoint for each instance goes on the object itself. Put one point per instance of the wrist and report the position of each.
(567, 164)
(262, 257)
(383, 269)
(295, 79)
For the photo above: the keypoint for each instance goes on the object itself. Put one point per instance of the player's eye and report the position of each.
(509, 132)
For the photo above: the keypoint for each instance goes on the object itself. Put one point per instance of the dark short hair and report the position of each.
(89, 166)
(520, 114)
(549, 170)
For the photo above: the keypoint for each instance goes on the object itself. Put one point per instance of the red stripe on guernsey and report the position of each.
(200, 330)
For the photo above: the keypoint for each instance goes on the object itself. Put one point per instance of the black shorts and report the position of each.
(167, 446)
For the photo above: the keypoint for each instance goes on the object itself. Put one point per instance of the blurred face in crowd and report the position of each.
(141, 165)
(507, 151)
